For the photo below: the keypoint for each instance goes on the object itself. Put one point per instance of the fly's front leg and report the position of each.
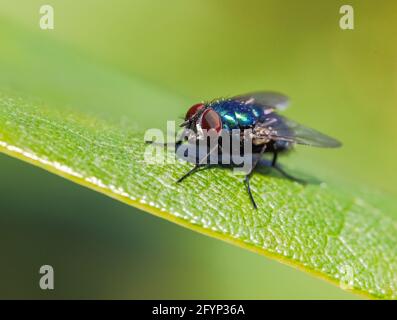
(177, 143)
(191, 171)
(166, 144)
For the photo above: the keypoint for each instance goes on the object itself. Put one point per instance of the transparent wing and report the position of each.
(266, 99)
(288, 130)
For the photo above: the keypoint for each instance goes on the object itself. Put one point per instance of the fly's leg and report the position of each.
(274, 160)
(247, 183)
(285, 174)
(288, 176)
(191, 171)
(201, 164)
(248, 176)
(177, 143)
(165, 144)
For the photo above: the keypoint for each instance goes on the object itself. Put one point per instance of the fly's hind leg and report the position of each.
(281, 170)
(274, 160)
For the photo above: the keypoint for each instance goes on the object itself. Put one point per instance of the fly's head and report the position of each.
(200, 118)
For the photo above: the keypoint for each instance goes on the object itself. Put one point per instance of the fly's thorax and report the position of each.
(262, 134)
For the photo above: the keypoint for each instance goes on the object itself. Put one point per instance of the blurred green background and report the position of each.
(341, 82)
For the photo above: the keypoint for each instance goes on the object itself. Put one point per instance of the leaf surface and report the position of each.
(340, 234)
(318, 228)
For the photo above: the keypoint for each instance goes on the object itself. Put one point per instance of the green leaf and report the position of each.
(344, 235)
(318, 229)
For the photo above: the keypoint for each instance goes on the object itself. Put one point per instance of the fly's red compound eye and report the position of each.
(193, 110)
(211, 120)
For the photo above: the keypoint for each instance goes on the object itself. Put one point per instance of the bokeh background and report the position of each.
(341, 82)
